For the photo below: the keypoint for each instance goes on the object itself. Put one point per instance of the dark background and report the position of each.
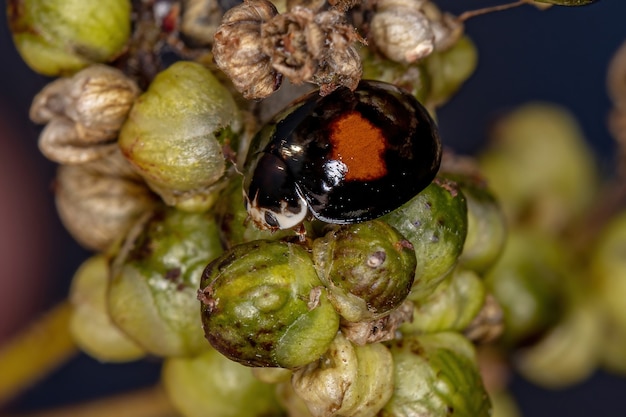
(559, 55)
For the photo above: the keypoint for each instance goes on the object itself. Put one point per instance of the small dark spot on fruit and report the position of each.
(172, 274)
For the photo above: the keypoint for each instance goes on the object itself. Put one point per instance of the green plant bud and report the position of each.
(59, 37)
(212, 385)
(348, 380)
(449, 69)
(263, 305)
(452, 306)
(231, 215)
(98, 209)
(436, 375)
(551, 192)
(528, 281)
(412, 77)
(177, 130)
(90, 325)
(568, 353)
(368, 269)
(486, 228)
(155, 278)
(435, 222)
(608, 269)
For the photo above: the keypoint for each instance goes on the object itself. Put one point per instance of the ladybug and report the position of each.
(346, 157)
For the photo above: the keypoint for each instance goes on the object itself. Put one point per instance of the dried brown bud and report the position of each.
(84, 113)
(294, 42)
(341, 64)
(343, 68)
(97, 209)
(488, 325)
(446, 27)
(200, 20)
(401, 31)
(379, 330)
(60, 142)
(238, 52)
(314, 5)
(313, 46)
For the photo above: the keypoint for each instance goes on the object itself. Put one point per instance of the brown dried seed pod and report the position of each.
(446, 28)
(60, 142)
(97, 209)
(237, 49)
(342, 68)
(200, 20)
(96, 99)
(340, 64)
(294, 42)
(401, 31)
(314, 5)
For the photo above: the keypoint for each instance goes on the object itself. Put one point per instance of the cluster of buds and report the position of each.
(98, 195)
(83, 114)
(256, 47)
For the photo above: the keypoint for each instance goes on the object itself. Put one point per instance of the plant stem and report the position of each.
(35, 352)
(473, 13)
(150, 402)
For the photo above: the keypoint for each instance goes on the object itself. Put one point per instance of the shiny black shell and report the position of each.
(352, 155)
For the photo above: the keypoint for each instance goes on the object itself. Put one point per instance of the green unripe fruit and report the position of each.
(528, 282)
(212, 385)
(435, 222)
(368, 269)
(532, 185)
(414, 78)
(176, 132)
(569, 352)
(263, 305)
(60, 37)
(436, 375)
(155, 280)
(90, 325)
(449, 69)
(486, 228)
(608, 269)
(451, 307)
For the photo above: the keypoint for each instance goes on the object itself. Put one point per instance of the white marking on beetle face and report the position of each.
(283, 219)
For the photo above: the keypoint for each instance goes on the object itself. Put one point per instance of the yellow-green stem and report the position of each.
(35, 352)
(151, 402)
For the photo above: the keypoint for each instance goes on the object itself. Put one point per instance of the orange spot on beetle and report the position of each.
(359, 145)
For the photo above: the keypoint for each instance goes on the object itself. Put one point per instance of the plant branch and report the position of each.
(35, 352)
(147, 402)
(473, 13)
